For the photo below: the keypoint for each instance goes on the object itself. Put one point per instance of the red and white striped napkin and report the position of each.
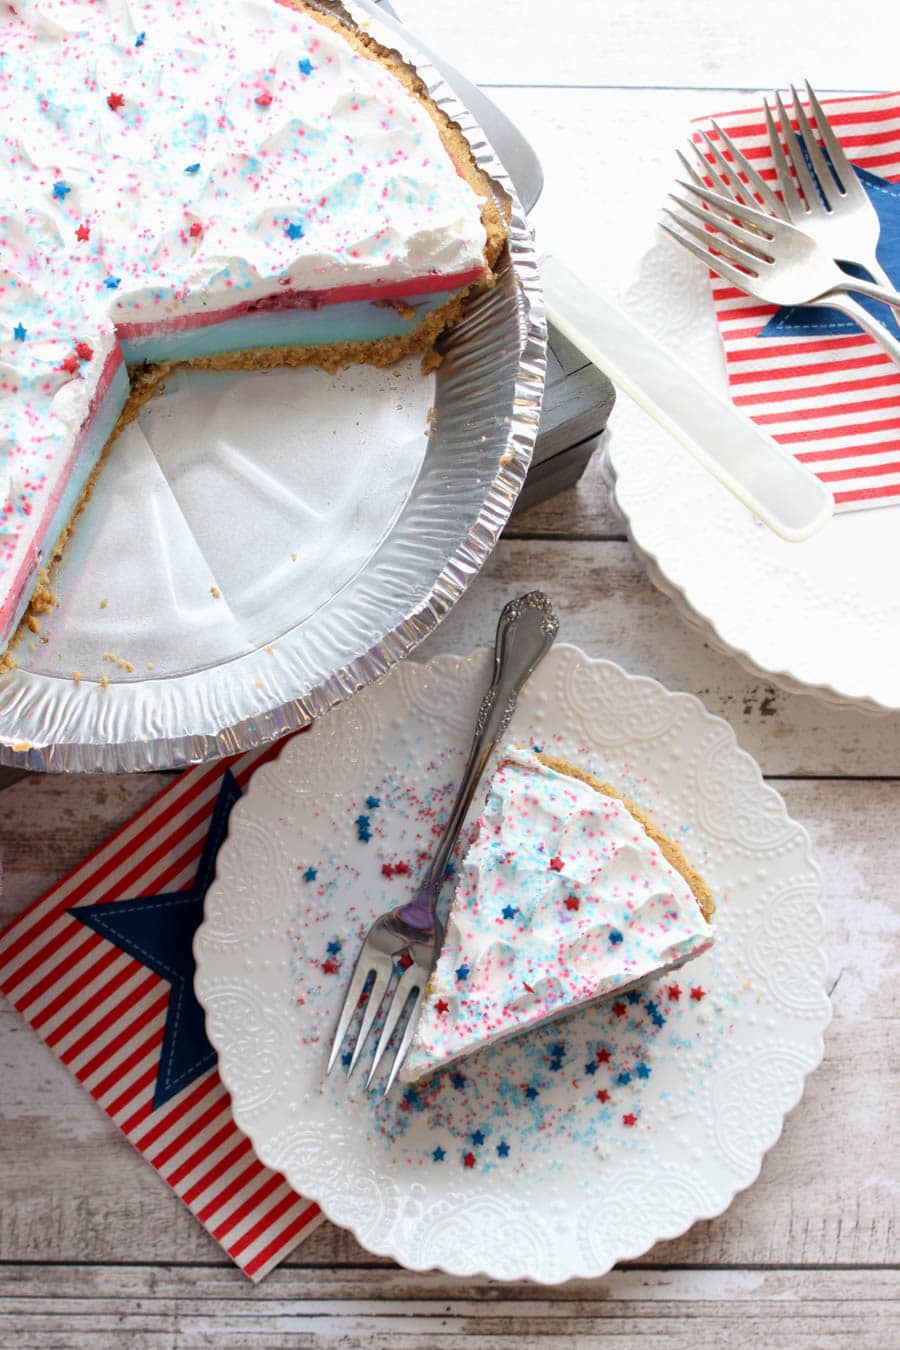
(103, 1014)
(832, 397)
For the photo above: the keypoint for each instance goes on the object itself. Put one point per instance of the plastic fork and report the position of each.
(772, 259)
(410, 935)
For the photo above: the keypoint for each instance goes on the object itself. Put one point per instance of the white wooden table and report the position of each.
(95, 1252)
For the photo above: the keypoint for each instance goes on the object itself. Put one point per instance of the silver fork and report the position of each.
(772, 259)
(526, 630)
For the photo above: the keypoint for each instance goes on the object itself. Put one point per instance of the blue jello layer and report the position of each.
(355, 321)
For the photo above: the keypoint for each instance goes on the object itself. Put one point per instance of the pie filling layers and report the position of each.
(568, 895)
(245, 182)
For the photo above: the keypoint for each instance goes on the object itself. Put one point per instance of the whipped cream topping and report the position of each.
(562, 899)
(163, 160)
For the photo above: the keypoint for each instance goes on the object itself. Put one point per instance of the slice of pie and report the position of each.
(569, 894)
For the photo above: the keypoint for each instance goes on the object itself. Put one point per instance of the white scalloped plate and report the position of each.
(555, 1154)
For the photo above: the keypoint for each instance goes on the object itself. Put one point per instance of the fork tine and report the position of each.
(816, 158)
(795, 154)
(841, 169)
(714, 263)
(361, 972)
(793, 198)
(714, 242)
(689, 168)
(726, 179)
(759, 222)
(409, 980)
(757, 182)
(402, 1048)
(376, 994)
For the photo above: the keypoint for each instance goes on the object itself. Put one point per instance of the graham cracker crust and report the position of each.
(667, 847)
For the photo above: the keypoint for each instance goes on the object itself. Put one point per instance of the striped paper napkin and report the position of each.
(809, 376)
(101, 967)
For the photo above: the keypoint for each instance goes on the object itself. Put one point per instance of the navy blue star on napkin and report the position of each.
(158, 931)
(810, 321)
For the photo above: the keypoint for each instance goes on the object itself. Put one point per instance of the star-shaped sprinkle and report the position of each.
(557, 1049)
(330, 967)
(192, 168)
(603, 1055)
(478, 1138)
(373, 803)
(439, 1155)
(263, 99)
(346, 1057)
(333, 947)
(698, 994)
(85, 351)
(310, 874)
(404, 961)
(557, 864)
(450, 869)
(462, 972)
(196, 229)
(458, 1081)
(468, 1160)
(442, 1006)
(634, 996)
(603, 1095)
(619, 1009)
(295, 231)
(503, 1149)
(115, 101)
(572, 902)
(590, 1067)
(61, 190)
(615, 936)
(70, 364)
(674, 992)
(83, 233)
(641, 1070)
(623, 1078)
(538, 749)
(305, 66)
(531, 1093)
(630, 1119)
(140, 39)
(20, 333)
(363, 829)
(555, 1065)
(509, 911)
(112, 283)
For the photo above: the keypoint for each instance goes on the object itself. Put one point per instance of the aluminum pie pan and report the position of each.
(487, 408)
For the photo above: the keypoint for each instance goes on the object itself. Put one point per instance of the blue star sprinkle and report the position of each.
(310, 874)
(305, 66)
(478, 1138)
(450, 869)
(557, 1049)
(555, 1065)
(19, 333)
(373, 802)
(462, 972)
(61, 190)
(641, 1070)
(411, 1097)
(538, 749)
(531, 1093)
(615, 936)
(458, 1081)
(509, 911)
(333, 948)
(346, 1058)
(634, 996)
(112, 283)
(503, 1149)
(363, 830)
(295, 231)
(623, 1078)
(653, 1010)
(140, 39)
(192, 168)
(439, 1155)
(590, 1068)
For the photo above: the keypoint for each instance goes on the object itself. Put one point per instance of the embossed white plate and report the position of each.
(554, 1154)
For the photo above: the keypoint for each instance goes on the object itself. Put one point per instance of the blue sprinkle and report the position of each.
(651, 1007)
(346, 1058)
(623, 1078)
(363, 832)
(305, 66)
(295, 231)
(19, 333)
(477, 1138)
(310, 874)
(531, 1093)
(112, 283)
(439, 1155)
(333, 948)
(590, 1068)
(538, 749)
(61, 190)
(458, 1081)
(411, 1096)
(558, 1049)
(462, 972)
(615, 936)
(372, 802)
(634, 996)
(450, 869)
(192, 168)
(503, 1149)
(556, 1065)
(641, 1070)
(509, 912)
(139, 40)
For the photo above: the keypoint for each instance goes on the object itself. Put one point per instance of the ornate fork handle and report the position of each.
(525, 633)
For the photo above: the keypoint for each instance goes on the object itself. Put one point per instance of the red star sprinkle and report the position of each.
(70, 364)
(442, 1006)
(196, 228)
(469, 1160)
(603, 1056)
(674, 992)
(83, 233)
(387, 870)
(263, 100)
(85, 351)
(619, 1009)
(330, 967)
(401, 869)
(630, 1119)
(115, 101)
(603, 1095)
(573, 902)
(405, 961)
(557, 864)
(697, 994)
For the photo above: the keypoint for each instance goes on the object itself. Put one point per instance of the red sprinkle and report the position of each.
(442, 1006)
(70, 364)
(603, 1055)
(264, 99)
(573, 902)
(469, 1160)
(387, 870)
(330, 967)
(528, 987)
(557, 864)
(85, 351)
(196, 228)
(674, 992)
(83, 233)
(619, 1009)
(630, 1119)
(697, 994)
(115, 101)
(603, 1095)
(405, 961)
